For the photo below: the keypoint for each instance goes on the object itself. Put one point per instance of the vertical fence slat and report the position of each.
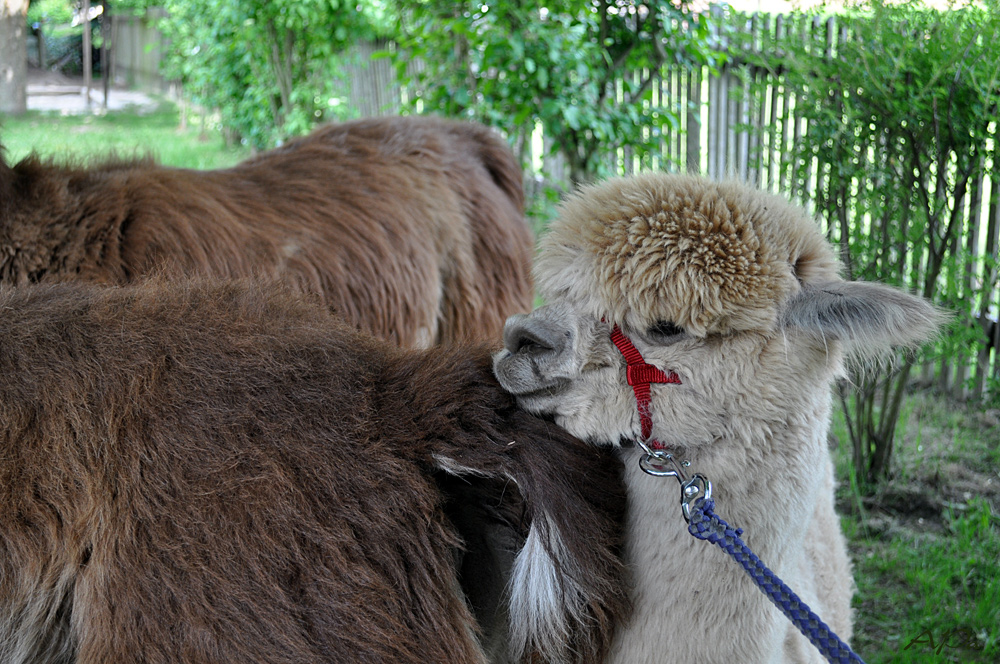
(693, 122)
(989, 309)
(969, 286)
(712, 140)
(680, 91)
(732, 158)
(795, 156)
(726, 114)
(662, 98)
(779, 116)
(758, 78)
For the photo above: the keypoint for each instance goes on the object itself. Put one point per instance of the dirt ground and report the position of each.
(935, 471)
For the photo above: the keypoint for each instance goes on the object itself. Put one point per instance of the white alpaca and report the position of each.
(739, 294)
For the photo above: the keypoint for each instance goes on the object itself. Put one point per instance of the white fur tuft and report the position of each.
(544, 598)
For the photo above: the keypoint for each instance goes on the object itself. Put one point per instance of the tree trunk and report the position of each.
(13, 56)
(105, 23)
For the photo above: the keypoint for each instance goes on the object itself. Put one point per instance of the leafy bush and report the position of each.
(50, 11)
(560, 65)
(270, 67)
(901, 103)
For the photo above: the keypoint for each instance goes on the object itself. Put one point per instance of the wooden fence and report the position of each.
(722, 133)
(136, 48)
(725, 132)
(729, 133)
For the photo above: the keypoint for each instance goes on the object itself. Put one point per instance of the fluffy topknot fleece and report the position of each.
(710, 257)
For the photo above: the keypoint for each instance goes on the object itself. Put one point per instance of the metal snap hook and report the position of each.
(697, 488)
(662, 464)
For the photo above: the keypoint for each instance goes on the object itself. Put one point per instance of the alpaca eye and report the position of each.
(664, 329)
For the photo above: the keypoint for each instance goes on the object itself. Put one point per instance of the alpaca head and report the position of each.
(735, 290)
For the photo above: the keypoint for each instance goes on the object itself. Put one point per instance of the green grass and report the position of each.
(930, 597)
(926, 545)
(126, 133)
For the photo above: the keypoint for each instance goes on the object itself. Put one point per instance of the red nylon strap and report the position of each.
(639, 375)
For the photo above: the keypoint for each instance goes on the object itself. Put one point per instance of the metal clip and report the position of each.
(698, 487)
(662, 464)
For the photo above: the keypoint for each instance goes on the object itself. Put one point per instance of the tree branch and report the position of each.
(618, 62)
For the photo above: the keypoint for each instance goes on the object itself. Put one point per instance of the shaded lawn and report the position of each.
(926, 545)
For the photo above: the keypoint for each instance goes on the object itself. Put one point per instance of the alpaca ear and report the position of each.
(868, 318)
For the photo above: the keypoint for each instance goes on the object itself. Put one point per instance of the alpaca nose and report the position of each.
(527, 335)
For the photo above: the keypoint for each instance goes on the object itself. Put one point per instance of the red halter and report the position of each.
(639, 376)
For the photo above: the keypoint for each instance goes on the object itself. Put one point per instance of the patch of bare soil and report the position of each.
(948, 455)
(48, 77)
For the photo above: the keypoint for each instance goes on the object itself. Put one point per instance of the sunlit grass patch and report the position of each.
(127, 133)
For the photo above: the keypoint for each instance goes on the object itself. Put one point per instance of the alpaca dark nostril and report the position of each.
(524, 335)
(529, 343)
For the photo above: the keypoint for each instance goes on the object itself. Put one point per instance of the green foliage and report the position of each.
(516, 65)
(121, 6)
(270, 67)
(901, 103)
(50, 11)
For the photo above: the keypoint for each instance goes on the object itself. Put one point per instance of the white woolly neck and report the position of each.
(692, 601)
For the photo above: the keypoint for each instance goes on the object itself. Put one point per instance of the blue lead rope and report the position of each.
(705, 525)
(697, 504)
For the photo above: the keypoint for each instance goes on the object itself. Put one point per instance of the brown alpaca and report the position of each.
(226, 473)
(411, 228)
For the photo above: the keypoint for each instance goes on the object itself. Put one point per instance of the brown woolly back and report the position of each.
(224, 473)
(411, 228)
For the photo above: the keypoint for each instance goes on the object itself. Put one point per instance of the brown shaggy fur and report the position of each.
(411, 227)
(224, 473)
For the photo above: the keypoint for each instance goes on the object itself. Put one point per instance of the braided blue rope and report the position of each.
(705, 525)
